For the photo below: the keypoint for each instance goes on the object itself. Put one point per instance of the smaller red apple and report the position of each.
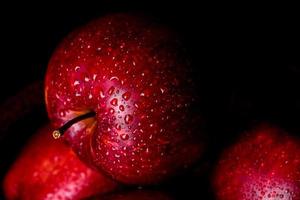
(265, 164)
(48, 169)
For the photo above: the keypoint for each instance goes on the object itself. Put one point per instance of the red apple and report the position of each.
(49, 169)
(122, 88)
(265, 164)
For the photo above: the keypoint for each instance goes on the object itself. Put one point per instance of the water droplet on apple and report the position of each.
(118, 127)
(126, 96)
(114, 102)
(77, 68)
(111, 90)
(111, 111)
(124, 136)
(128, 119)
(162, 90)
(86, 79)
(102, 94)
(114, 78)
(62, 113)
(76, 83)
(121, 107)
(94, 76)
(136, 105)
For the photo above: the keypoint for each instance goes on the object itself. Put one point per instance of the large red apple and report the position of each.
(48, 169)
(265, 164)
(129, 82)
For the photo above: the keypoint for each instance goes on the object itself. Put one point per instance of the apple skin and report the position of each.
(49, 169)
(264, 164)
(136, 77)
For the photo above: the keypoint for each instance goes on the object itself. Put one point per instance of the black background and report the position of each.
(246, 58)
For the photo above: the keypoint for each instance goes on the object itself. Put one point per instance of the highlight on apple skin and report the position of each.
(49, 169)
(133, 78)
(263, 164)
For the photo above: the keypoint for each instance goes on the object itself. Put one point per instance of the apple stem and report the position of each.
(59, 132)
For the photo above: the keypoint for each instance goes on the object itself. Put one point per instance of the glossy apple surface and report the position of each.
(265, 164)
(49, 169)
(135, 75)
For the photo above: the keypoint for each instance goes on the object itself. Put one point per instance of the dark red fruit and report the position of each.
(265, 164)
(49, 169)
(133, 79)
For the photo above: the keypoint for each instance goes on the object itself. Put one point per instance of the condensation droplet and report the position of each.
(128, 119)
(62, 113)
(114, 78)
(121, 107)
(111, 90)
(76, 83)
(126, 96)
(94, 76)
(90, 96)
(118, 127)
(86, 79)
(124, 136)
(136, 105)
(114, 102)
(111, 111)
(142, 94)
(102, 94)
(77, 68)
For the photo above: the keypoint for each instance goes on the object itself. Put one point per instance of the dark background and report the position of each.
(246, 59)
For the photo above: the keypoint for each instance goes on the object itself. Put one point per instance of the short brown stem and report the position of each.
(59, 132)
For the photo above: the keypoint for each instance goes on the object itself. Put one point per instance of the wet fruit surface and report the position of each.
(263, 165)
(135, 75)
(49, 169)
